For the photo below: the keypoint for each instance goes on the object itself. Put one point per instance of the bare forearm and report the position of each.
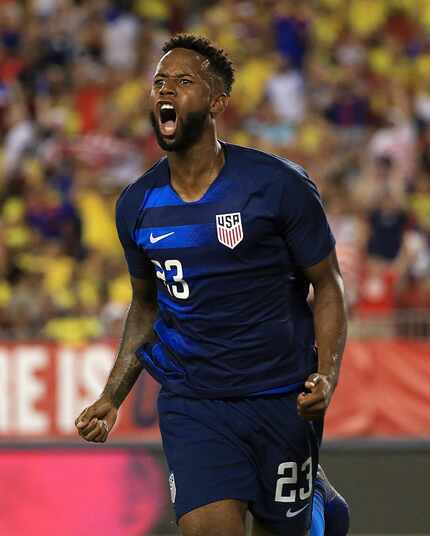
(330, 332)
(330, 327)
(126, 369)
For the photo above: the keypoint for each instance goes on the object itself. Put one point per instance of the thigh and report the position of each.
(287, 454)
(207, 462)
(221, 518)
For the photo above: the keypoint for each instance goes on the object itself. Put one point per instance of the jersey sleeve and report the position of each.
(138, 262)
(304, 224)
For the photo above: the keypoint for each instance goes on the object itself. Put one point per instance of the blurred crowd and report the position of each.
(340, 86)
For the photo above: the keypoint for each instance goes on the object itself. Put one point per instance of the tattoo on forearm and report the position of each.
(122, 378)
(127, 367)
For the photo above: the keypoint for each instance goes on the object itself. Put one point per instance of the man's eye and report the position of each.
(158, 83)
(185, 81)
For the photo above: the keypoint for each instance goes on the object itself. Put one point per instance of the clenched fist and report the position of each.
(313, 403)
(97, 420)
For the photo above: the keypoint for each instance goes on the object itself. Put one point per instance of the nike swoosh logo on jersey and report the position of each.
(293, 513)
(154, 239)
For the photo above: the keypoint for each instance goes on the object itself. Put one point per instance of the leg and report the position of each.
(330, 511)
(318, 514)
(286, 451)
(212, 477)
(333, 506)
(221, 518)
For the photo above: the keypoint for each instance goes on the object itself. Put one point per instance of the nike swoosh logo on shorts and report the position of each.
(154, 239)
(293, 513)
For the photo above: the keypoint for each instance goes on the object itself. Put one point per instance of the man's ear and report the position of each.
(218, 105)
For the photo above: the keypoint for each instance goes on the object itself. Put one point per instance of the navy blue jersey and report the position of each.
(233, 318)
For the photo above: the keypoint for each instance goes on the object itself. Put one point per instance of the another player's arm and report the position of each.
(96, 421)
(330, 329)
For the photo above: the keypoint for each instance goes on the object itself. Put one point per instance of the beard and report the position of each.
(187, 133)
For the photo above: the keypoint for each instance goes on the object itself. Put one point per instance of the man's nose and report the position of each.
(168, 88)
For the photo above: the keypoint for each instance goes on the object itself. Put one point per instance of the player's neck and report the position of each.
(192, 171)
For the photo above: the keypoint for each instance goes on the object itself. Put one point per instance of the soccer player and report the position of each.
(222, 243)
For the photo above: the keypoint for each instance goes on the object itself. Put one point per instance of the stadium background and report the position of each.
(340, 86)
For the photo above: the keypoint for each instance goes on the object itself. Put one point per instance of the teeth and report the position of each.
(166, 107)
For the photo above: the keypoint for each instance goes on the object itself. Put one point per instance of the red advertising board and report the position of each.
(383, 391)
(80, 492)
(43, 387)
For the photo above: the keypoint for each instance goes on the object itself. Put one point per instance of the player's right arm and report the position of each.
(96, 421)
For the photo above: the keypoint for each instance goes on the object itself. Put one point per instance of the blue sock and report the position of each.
(318, 522)
(337, 517)
(335, 508)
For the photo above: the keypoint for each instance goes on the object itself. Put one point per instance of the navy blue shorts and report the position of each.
(257, 450)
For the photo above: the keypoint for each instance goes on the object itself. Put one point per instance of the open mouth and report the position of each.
(168, 120)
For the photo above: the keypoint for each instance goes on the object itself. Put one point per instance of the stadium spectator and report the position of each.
(286, 92)
(387, 224)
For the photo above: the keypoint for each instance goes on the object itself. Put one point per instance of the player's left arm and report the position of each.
(330, 329)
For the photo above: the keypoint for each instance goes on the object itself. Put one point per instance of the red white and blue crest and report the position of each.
(229, 229)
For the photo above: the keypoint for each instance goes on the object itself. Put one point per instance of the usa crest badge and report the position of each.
(229, 229)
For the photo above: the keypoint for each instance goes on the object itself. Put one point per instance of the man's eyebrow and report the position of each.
(178, 75)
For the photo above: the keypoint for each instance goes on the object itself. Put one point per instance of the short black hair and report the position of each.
(219, 62)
